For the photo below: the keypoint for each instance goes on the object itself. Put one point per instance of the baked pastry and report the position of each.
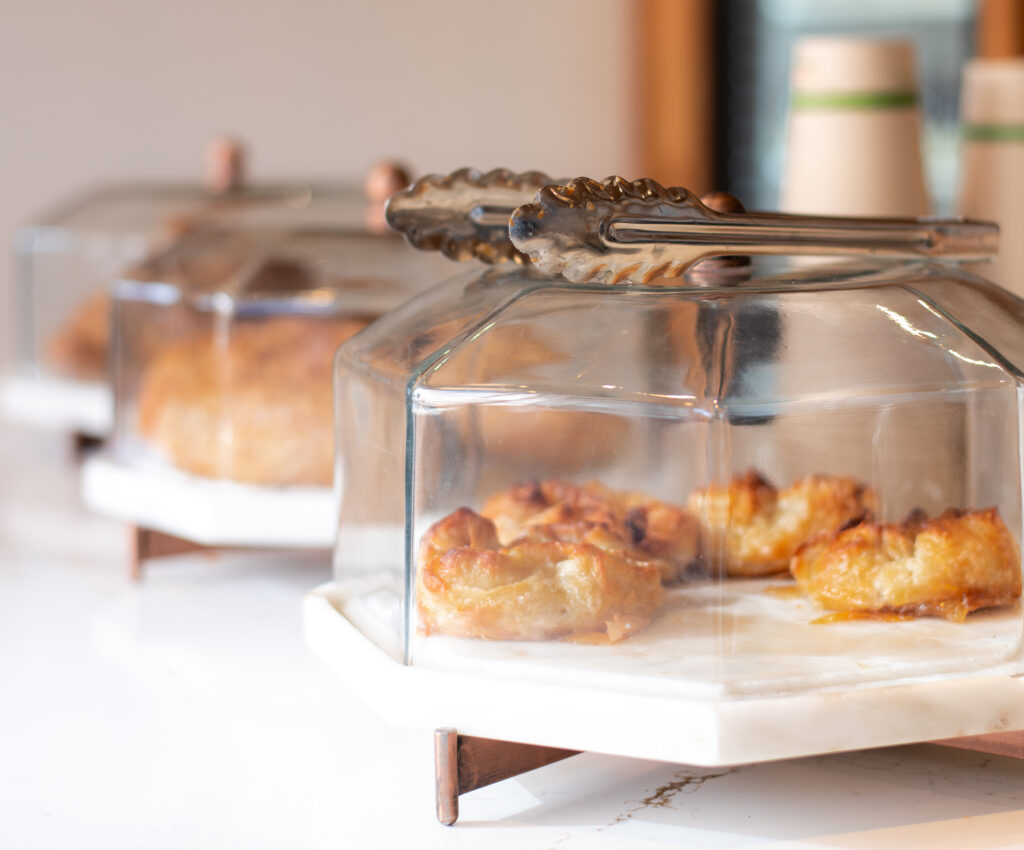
(650, 530)
(943, 567)
(754, 528)
(514, 510)
(531, 436)
(469, 585)
(256, 408)
(79, 348)
(534, 436)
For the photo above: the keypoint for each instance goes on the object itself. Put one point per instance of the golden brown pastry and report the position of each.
(755, 528)
(255, 408)
(650, 530)
(468, 585)
(543, 502)
(79, 348)
(944, 567)
(531, 436)
(561, 440)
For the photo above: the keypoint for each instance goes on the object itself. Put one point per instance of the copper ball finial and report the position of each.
(723, 202)
(383, 179)
(716, 269)
(224, 165)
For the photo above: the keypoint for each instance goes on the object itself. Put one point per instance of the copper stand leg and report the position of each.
(137, 543)
(463, 763)
(147, 544)
(82, 444)
(998, 743)
(446, 774)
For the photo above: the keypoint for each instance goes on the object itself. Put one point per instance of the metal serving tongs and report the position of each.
(616, 230)
(466, 214)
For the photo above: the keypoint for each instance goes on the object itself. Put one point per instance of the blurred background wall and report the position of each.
(690, 92)
(92, 90)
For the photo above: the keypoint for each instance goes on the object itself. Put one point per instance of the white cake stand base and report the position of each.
(501, 711)
(58, 404)
(172, 512)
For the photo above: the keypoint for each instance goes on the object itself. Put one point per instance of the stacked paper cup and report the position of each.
(992, 160)
(854, 144)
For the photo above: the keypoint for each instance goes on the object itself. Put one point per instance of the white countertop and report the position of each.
(185, 712)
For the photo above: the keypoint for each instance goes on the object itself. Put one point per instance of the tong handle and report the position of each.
(617, 230)
(766, 233)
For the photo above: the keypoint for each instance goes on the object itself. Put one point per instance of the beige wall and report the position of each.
(99, 89)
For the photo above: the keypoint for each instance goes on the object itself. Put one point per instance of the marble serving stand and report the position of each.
(171, 513)
(753, 679)
(83, 409)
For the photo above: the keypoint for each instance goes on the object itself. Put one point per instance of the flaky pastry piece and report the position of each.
(757, 527)
(79, 348)
(255, 408)
(650, 530)
(468, 585)
(944, 567)
(514, 510)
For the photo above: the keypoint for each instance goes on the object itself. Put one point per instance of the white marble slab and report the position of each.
(58, 404)
(210, 512)
(640, 703)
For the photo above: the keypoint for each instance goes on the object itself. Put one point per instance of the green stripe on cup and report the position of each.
(994, 132)
(853, 100)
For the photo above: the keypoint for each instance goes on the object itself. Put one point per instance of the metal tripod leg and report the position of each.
(147, 543)
(463, 763)
(997, 743)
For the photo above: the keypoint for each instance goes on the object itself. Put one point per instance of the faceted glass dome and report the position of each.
(767, 479)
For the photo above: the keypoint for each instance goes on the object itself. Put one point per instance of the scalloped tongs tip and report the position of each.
(465, 214)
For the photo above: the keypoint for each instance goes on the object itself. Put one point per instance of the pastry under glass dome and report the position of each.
(221, 362)
(758, 479)
(66, 259)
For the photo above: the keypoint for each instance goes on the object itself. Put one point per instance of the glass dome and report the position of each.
(66, 259)
(763, 478)
(221, 364)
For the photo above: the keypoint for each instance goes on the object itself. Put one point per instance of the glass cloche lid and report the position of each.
(669, 448)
